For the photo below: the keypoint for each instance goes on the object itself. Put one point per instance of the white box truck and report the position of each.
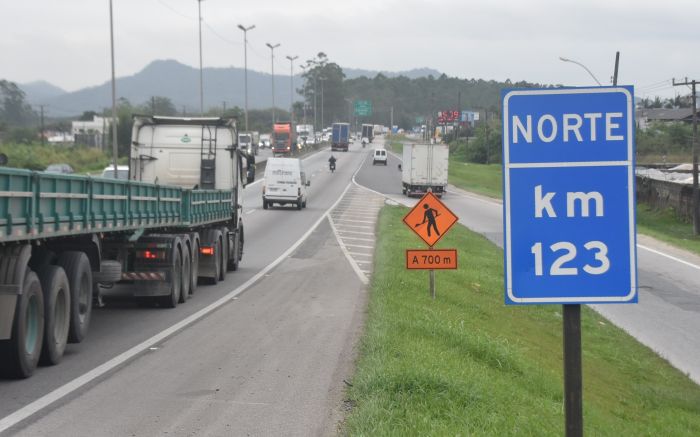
(424, 166)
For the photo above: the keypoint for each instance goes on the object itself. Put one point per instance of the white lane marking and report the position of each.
(68, 388)
(357, 245)
(355, 232)
(671, 257)
(343, 226)
(358, 238)
(354, 221)
(349, 257)
(368, 255)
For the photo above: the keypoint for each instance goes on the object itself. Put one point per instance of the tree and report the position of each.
(158, 105)
(88, 116)
(323, 85)
(14, 111)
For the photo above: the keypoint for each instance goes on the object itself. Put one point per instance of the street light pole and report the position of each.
(322, 79)
(114, 93)
(303, 67)
(201, 74)
(272, 53)
(291, 86)
(582, 66)
(245, 66)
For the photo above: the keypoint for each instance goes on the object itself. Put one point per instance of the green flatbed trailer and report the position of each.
(62, 236)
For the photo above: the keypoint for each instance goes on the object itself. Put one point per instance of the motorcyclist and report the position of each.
(331, 163)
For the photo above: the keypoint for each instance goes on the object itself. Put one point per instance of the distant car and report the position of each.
(122, 172)
(379, 157)
(59, 168)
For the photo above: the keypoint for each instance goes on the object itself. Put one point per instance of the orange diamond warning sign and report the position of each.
(430, 219)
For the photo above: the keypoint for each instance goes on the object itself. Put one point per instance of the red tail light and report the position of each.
(150, 254)
(204, 250)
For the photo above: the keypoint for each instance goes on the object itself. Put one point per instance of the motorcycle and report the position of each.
(331, 166)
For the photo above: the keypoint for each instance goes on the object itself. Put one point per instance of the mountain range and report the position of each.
(180, 83)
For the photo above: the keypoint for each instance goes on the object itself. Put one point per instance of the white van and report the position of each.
(379, 156)
(284, 183)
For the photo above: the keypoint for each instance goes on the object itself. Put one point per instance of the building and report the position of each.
(94, 133)
(644, 117)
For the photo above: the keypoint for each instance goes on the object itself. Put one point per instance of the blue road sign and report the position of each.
(569, 199)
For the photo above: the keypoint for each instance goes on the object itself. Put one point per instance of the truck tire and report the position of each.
(194, 238)
(20, 354)
(77, 268)
(110, 272)
(224, 254)
(57, 309)
(172, 298)
(237, 251)
(186, 277)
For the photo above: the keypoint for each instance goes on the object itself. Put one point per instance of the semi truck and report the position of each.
(175, 223)
(340, 137)
(368, 132)
(249, 141)
(424, 167)
(283, 139)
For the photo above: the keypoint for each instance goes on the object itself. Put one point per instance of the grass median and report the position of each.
(465, 364)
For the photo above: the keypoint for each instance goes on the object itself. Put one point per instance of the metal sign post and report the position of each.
(568, 207)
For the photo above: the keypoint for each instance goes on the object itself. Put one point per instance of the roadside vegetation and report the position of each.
(465, 364)
(38, 157)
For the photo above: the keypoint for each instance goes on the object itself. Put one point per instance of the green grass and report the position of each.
(479, 178)
(665, 226)
(396, 146)
(465, 364)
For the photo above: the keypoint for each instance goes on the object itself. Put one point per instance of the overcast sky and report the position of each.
(66, 42)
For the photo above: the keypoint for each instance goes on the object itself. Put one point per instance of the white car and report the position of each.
(379, 157)
(122, 172)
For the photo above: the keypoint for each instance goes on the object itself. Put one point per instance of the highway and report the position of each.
(287, 327)
(266, 351)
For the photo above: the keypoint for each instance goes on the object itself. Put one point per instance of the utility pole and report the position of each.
(696, 201)
(43, 140)
(391, 121)
(245, 63)
(114, 93)
(291, 87)
(201, 73)
(153, 105)
(272, 53)
(223, 111)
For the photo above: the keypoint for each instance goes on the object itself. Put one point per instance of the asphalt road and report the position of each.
(667, 317)
(123, 325)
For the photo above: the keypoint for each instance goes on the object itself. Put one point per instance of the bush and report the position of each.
(37, 157)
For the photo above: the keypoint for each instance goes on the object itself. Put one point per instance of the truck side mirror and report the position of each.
(399, 167)
(308, 183)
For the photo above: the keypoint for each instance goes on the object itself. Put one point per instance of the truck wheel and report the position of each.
(186, 277)
(224, 254)
(77, 268)
(211, 237)
(21, 353)
(233, 261)
(57, 305)
(171, 300)
(195, 264)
